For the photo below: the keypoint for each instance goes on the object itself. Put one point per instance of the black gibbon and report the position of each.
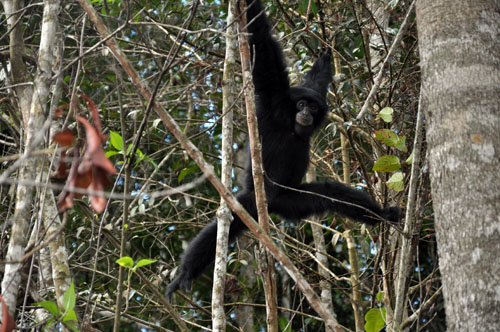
(287, 118)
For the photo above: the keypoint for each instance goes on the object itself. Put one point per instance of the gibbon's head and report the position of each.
(310, 110)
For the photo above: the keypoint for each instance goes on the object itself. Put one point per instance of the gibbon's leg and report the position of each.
(316, 198)
(201, 251)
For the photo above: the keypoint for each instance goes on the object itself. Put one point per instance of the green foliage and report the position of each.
(187, 171)
(190, 92)
(387, 163)
(386, 114)
(375, 319)
(395, 182)
(390, 138)
(128, 263)
(67, 314)
(285, 325)
(143, 262)
(116, 142)
(390, 163)
(409, 160)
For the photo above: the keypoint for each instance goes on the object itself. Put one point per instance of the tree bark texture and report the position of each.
(33, 120)
(224, 215)
(460, 52)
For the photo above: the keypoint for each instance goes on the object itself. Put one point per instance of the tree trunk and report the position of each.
(460, 51)
(224, 215)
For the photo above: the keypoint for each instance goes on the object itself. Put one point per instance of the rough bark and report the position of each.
(460, 53)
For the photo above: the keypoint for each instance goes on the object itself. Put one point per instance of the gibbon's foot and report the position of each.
(181, 281)
(392, 213)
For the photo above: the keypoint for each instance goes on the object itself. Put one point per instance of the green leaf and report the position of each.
(184, 172)
(69, 298)
(387, 136)
(50, 306)
(386, 114)
(395, 182)
(116, 141)
(390, 138)
(126, 262)
(70, 316)
(144, 262)
(401, 144)
(380, 296)
(410, 159)
(375, 320)
(111, 153)
(139, 154)
(284, 326)
(387, 164)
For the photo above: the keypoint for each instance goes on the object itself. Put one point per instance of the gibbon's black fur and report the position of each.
(287, 118)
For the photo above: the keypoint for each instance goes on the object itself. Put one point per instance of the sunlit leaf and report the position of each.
(69, 299)
(395, 182)
(126, 261)
(144, 262)
(70, 316)
(116, 140)
(386, 136)
(375, 320)
(386, 114)
(410, 159)
(50, 306)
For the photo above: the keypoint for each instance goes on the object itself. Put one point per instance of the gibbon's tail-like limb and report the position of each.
(201, 251)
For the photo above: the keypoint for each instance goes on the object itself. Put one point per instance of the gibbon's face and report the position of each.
(306, 111)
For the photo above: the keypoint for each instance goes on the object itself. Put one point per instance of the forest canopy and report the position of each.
(98, 128)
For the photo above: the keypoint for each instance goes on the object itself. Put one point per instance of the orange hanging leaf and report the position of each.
(64, 138)
(8, 323)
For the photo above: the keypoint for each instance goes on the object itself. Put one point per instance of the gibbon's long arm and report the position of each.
(318, 198)
(269, 71)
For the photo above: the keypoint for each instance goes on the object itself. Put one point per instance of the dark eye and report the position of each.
(313, 107)
(301, 104)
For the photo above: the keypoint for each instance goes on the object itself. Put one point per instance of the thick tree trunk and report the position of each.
(460, 51)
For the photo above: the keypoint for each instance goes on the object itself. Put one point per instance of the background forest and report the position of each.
(60, 75)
